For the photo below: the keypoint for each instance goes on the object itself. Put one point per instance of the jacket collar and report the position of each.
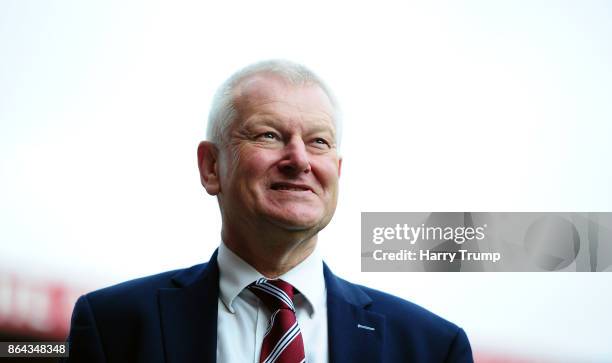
(189, 314)
(189, 318)
(355, 334)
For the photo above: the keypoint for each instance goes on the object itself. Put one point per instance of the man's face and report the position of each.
(281, 165)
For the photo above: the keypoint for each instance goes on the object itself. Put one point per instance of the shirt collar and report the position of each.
(235, 275)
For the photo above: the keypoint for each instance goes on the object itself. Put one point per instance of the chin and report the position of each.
(296, 222)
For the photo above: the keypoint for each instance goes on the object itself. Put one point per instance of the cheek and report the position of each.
(253, 164)
(327, 171)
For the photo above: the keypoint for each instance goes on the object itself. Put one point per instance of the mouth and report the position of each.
(291, 187)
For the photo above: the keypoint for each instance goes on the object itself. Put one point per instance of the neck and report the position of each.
(274, 255)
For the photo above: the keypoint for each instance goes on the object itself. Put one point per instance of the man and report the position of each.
(272, 161)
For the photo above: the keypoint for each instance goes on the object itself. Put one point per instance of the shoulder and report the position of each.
(117, 323)
(392, 307)
(406, 318)
(412, 330)
(401, 310)
(139, 293)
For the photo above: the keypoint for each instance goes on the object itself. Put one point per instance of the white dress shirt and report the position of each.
(242, 319)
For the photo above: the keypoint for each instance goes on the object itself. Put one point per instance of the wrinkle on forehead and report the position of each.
(261, 90)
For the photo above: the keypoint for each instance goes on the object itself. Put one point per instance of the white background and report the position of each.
(471, 106)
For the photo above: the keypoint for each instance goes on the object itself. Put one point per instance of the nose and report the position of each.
(295, 158)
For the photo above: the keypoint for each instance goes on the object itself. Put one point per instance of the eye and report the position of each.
(321, 142)
(268, 136)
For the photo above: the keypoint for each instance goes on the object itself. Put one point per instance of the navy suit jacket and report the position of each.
(172, 317)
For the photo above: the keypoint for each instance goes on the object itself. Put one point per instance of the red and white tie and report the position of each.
(283, 340)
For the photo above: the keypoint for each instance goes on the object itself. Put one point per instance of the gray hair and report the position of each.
(223, 113)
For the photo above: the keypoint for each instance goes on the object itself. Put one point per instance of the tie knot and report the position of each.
(275, 294)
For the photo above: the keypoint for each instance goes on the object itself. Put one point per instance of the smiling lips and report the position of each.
(291, 187)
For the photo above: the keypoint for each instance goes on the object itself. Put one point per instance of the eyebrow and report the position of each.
(270, 120)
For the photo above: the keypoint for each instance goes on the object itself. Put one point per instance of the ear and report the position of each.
(208, 163)
(339, 166)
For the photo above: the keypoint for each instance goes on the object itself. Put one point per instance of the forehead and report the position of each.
(269, 94)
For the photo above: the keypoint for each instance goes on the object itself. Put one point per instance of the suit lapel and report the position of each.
(355, 334)
(189, 314)
(189, 318)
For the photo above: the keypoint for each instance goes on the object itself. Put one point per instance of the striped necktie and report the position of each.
(283, 340)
